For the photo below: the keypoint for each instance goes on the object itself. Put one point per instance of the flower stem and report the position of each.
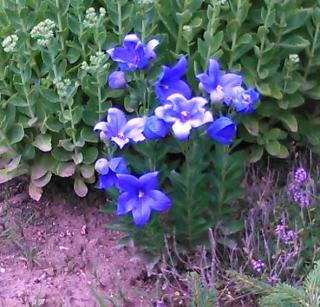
(60, 26)
(119, 22)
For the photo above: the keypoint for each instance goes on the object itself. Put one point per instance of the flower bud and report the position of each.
(102, 166)
(117, 80)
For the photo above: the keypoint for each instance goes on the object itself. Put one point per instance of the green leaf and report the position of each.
(65, 169)
(251, 124)
(290, 121)
(43, 142)
(80, 187)
(276, 149)
(15, 134)
(35, 192)
(294, 43)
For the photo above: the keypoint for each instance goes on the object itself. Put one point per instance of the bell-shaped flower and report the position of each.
(117, 129)
(222, 130)
(117, 80)
(184, 114)
(169, 81)
(140, 196)
(243, 100)
(108, 171)
(133, 54)
(218, 85)
(155, 128)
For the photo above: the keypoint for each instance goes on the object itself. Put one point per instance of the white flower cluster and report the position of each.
(9, 43)
(43, 32)
(97, 62)
(144, 2)
(219, 2)
(62, 87)
(294, 58)
(91, 17)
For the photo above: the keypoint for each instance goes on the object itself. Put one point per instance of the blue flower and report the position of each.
(140, 196)
(155, 128)
(243, 100)
(184, 114)
(117, 80)
(119, 130)
(108, 171)
(218, 85)
(133, 54)
(169, 81)
(222, 130)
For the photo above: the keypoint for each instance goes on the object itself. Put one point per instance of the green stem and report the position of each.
(313, 48)
(83, 48)
(60, 26)
(234, 37)
(99, 101)
(73, 135)
(119, 22)
(25, 91)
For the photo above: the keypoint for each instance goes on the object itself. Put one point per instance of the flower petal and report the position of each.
(107, 181)
(120, 141)
(103, 126)
(134, 128)
(151, 45)
(177, 71)
(118, 165)
(128, 183)
(141, 214)
(149, 181)
(181, 130)
(158, 201)
(126, 203)
(177, 86)
(116, 120)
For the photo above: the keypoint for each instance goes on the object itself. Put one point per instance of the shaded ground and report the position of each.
(58, 253)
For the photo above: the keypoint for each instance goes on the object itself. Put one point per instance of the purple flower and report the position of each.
(243, 100)
(300, 175)
(169, 81)
(222, 130)
(140, 196)
(117, 80)
(155, 128)
(218, 85)
(119, 130)
(286, 236)
(184, 114)
(258, 265)
(133, 54)
(108, 171)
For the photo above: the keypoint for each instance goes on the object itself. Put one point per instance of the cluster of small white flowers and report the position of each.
(97, 62)
(62, 86)
(219, 2)
(9, 43)
(294, 58)
(91, 17)
(144, 2)
(43, 32)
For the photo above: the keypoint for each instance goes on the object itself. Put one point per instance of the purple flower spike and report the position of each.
(108, 171)
(155, 128)
(133, 54)
(184, 114)
(222, 130)
(119, 130)
(300, 175)
(218, 85)
(140, 196)
(117, 80)
(258, 265)
(169, 81)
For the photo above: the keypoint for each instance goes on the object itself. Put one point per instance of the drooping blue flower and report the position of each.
(155, 128)
(133, 54)
(184, 114)
(222, 130)
(243, 100)
(117, 80)
(119, 130)
(169, 81)
(140, 196)
(217, 84)
(108, 171)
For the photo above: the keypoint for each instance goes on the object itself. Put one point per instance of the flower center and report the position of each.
(184, 115)
(121, 136)
(141, 194)
(246, 98)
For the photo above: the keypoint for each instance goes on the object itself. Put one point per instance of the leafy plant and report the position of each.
(283, 294)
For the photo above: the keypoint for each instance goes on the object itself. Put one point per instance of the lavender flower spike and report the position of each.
(119, 130)
(184, 114)
(133, 54)
(140, 196)
(169, 81)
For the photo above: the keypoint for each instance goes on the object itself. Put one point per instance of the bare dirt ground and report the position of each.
(58, 253)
